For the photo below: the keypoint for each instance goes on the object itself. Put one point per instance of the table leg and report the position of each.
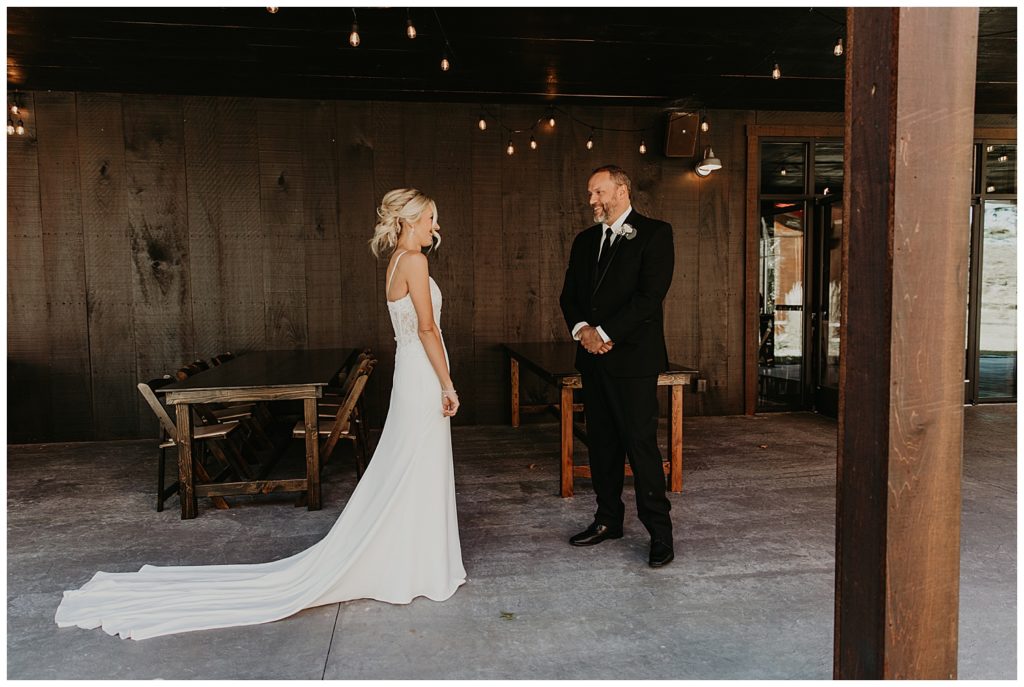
(566, 414)
(312, 454)
(514, 379)
(186, 485)
(676, 439)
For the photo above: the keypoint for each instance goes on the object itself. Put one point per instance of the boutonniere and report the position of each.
(628, 231)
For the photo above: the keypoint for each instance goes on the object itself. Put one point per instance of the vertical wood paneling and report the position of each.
(523, 247)
(357, 201)
(488, 240)
(282, 185)
(60, 198)
(324, 303)
(28, 347)
(157, 217)
(222, 167)
(108, 264)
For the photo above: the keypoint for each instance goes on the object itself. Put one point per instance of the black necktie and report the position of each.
(606, 250)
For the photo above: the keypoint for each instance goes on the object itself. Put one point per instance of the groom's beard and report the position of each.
(600, 213)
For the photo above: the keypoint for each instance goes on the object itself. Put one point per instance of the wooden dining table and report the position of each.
(256, 376)
(554, 362)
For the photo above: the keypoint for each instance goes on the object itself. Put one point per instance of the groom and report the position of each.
(619, 272)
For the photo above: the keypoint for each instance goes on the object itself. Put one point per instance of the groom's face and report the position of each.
(607, 199)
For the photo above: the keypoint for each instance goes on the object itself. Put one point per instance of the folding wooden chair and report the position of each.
(343, 424)
(213, 436)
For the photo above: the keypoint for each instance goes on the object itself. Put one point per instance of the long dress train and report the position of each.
(396, 539)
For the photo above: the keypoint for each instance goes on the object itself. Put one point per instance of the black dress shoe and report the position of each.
(661, 553)
(595, 534)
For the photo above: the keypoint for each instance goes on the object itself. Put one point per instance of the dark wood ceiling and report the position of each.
(718, 57)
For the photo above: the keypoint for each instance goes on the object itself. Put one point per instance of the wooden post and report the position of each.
(909, 120)
(565, 408)
(186, 486)
(514, 383)
(312, 454)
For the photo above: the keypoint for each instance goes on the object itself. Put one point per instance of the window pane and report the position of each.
(783, 167)
(997, 364)
(1001, 172)
(780, 356)
(828, 168)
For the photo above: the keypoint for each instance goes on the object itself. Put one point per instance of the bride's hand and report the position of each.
(449, 402)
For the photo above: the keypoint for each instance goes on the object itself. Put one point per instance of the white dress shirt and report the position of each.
(615, 226)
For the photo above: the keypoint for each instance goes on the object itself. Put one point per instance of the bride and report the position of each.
(398, 536)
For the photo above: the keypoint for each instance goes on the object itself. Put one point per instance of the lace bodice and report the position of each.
(403, 315)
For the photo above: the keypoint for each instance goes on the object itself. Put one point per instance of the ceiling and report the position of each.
(716, 57)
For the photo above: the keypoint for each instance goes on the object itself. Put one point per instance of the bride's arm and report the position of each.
(416, 274)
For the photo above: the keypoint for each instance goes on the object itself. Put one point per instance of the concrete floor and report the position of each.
(749, 595)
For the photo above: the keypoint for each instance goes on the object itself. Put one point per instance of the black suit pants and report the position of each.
(622, 422)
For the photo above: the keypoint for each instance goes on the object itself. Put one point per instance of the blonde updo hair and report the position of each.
(397, 205)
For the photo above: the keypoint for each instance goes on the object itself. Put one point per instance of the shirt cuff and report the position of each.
(576, 330)
(604, 336)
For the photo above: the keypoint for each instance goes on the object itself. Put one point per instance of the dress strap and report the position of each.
(393, 270)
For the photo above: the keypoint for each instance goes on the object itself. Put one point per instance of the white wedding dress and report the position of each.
(398, 537)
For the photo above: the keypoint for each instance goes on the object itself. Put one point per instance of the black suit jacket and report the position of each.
(626, 300)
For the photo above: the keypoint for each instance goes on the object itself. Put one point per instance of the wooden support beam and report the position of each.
(909, 120)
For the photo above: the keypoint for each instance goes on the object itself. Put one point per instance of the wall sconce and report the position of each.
(708, 164)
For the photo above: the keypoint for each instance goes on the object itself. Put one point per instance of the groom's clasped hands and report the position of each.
(592, 341)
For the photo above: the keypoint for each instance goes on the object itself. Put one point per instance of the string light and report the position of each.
(989, 149)
(838, 50)
(551, 120)
(643, 147)
(445, 64)
(590, 142)
(533, 143)
(704, 126)
(776, 72)
(783, 172)
(410, 30)
(353, 38)
(10, 126)
(990, 189)
(482, 124)
(20, 129)
(1002, 158)
(14, 108)
(511, 149)
(273, 10)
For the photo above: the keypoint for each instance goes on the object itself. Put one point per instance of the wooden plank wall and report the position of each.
(147, 231)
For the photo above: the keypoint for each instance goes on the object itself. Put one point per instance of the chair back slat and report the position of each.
(344, 414)
(158, 409)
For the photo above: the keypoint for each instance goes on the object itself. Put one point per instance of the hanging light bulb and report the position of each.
(776, 72)
(445, 64)
(20, 129)
(643, 147)
(10, 126)
(551, 121)
(410, 30)
(511, 149)
(838, 50)
(590, 142)
(704, 126)
(533, 143)
(14, 108)
(782, 172)
(482, 124)
(273, 10)
(353, 38)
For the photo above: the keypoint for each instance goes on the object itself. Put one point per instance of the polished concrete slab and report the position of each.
(750, 594)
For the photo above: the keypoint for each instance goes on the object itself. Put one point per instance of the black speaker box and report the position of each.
(681, 134)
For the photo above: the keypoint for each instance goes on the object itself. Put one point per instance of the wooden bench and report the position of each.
(555, 364)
